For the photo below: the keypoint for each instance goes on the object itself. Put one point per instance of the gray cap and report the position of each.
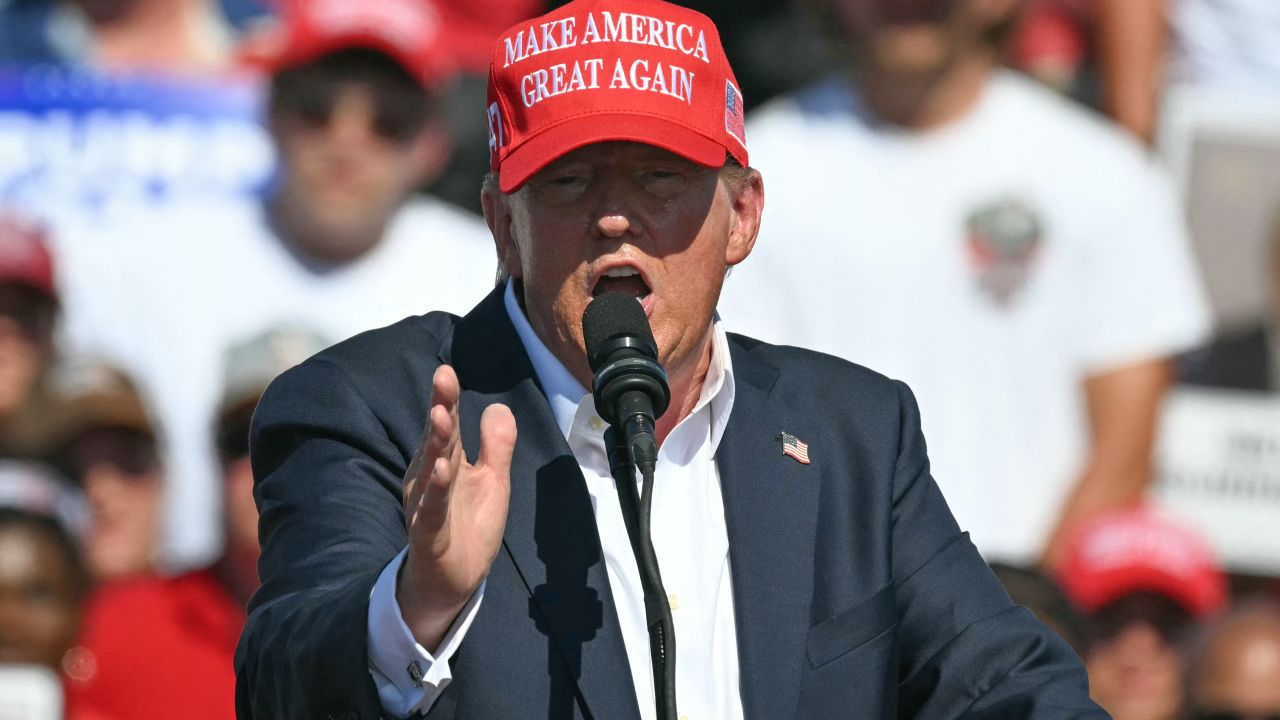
(87, 392)
(37, 489)
(251, 364)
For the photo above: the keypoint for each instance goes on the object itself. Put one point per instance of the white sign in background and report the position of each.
(1218, 468)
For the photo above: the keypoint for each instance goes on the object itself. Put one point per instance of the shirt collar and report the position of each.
(565, 393)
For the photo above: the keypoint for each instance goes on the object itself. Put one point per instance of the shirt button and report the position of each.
(674, 602)
(596, 423)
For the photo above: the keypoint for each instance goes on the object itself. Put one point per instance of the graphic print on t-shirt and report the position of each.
(1004, 239)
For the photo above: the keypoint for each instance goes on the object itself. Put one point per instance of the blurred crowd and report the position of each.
(964, 194)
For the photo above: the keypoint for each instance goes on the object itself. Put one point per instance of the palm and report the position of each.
(455, 510)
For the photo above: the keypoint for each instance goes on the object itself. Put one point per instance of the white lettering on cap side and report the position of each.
(496, 137)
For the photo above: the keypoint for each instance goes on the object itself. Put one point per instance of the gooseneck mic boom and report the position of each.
(631, 392)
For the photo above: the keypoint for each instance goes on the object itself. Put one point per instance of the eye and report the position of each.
(663, 173)
(663, 180)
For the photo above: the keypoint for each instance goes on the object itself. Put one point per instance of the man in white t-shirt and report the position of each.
(1018, 262)
(337, 246)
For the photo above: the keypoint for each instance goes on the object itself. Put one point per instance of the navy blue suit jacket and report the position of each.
(855, 593)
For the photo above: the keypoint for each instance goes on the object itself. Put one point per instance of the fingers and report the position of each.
(440, 460)
(497, 440)
(442, 441)
(440, 438)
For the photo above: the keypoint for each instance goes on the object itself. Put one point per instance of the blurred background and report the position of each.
(1080, 198)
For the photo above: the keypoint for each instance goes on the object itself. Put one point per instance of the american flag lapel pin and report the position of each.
(795, 447)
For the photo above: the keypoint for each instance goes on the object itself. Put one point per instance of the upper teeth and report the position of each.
(621, 272)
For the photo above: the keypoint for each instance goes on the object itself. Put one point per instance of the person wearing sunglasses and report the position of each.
(1145, 583)
(339, 240)
(101, 435)
(353, 119)
(162, 645)
(1233, 667)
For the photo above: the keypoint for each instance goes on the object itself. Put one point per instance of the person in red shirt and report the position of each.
(162, 647)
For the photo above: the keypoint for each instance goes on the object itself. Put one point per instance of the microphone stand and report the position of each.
(636, 513)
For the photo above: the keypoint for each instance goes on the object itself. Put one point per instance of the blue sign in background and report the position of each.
(72, 138)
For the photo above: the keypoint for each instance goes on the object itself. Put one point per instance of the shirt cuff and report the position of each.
(408, 677)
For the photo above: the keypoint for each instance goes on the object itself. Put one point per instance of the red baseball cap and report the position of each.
(1136, 551)
(24, 254)
(599, 70)
(407, 31)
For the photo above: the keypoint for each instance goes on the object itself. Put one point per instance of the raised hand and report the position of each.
(455, 511)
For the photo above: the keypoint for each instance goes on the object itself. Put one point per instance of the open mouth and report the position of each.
(627, 280)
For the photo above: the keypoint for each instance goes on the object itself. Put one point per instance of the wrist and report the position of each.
(427, 615)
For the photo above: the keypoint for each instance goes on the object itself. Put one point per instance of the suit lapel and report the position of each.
(551, 534)
(771, 509)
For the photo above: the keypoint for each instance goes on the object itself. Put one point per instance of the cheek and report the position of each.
(142, 497)
(298, 155)
(391, 165)
(53, 623)
(552, 260)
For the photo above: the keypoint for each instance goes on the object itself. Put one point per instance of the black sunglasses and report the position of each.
(130, 451)
(1169, 619)
(395, 118)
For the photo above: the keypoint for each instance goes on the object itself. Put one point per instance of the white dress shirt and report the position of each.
(689, 537)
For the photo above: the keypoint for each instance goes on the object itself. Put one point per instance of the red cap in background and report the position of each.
(472, 25)
(24, 254)
(600, 70)
(407, 31)
(1140, 551)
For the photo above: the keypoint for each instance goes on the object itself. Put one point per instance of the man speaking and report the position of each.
(482, 568)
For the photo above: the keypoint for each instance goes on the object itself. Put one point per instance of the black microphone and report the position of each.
(629, 385)
(631, 391)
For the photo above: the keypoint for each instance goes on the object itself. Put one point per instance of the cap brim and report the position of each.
(1107, 586)
(542, 149)
(98, 411)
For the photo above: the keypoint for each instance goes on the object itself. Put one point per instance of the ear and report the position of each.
(428, 153)
(497, 215)
(746, 203)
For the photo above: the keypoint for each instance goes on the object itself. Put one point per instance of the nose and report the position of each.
(352, 118)
(1139, 642)
(103, 485)
(613, 225)
(613, 216)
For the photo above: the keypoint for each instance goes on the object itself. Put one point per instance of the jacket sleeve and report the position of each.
(328, 489)
(966, 650)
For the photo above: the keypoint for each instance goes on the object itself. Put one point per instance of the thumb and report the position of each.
(497, 439)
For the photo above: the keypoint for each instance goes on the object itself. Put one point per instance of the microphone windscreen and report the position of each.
(612, 315)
